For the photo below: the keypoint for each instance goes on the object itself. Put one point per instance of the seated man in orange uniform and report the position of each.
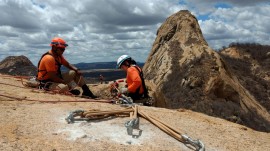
(136, 88)
(49, 72)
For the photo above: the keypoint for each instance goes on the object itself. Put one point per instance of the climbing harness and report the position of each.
(145, 93)
(57, 64)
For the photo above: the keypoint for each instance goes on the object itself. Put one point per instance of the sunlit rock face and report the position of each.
(184, 72)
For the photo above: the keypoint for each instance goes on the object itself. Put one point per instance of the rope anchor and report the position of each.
(196, 143)
(134, 112)
(70, 118)
(132, 124)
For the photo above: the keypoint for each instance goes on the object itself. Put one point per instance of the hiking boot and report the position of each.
(91, 95)
(75, 92)
(148, 102)
(94, 97)
(87, 92)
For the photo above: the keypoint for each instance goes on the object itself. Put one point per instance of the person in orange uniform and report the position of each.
(135, 83)
(49, 72)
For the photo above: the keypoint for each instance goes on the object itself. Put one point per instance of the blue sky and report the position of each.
(102, 30)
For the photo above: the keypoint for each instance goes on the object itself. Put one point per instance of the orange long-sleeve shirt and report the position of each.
(133, 80)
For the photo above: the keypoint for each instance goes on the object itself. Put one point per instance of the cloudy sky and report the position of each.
(102, 30)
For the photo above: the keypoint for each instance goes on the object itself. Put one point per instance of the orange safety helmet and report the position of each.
(58, 42)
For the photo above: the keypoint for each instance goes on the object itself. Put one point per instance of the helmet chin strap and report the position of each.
(126, 63)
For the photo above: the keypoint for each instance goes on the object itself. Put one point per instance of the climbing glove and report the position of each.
(123, 90)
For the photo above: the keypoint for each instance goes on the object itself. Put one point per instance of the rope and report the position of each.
(51, 101)
(45, 90)
(50, 91)
(11, 76)
(133, 111)
(11, 85)
(113, 112)
(167, 129)
(25, 86)
(173, 132)
(95, 114)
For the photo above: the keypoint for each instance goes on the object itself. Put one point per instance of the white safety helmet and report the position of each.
(121, 59)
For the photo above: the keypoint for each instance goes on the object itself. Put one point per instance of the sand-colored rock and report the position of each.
(33, 125)
(186, 73)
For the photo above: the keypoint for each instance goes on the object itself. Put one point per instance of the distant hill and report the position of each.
(93, 76)
(100, 65)
(17, 65)
(92, 71)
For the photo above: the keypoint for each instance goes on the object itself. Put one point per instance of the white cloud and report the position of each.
(237, 24)
(102, 30)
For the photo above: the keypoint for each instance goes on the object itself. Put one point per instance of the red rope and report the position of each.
(51, 101)
(46, 91)
(25, 77)
(51, 92)
(11, 76)
(11, 85)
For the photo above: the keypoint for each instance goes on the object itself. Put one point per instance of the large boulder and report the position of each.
(18, 65)
(184, 72)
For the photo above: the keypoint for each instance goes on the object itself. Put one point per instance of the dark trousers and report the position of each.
(135, 96)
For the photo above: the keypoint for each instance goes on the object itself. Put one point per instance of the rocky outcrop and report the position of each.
(250, 64)
(186, 73)
(17, 65)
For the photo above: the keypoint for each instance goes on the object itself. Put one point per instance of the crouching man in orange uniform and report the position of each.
(49, 72)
